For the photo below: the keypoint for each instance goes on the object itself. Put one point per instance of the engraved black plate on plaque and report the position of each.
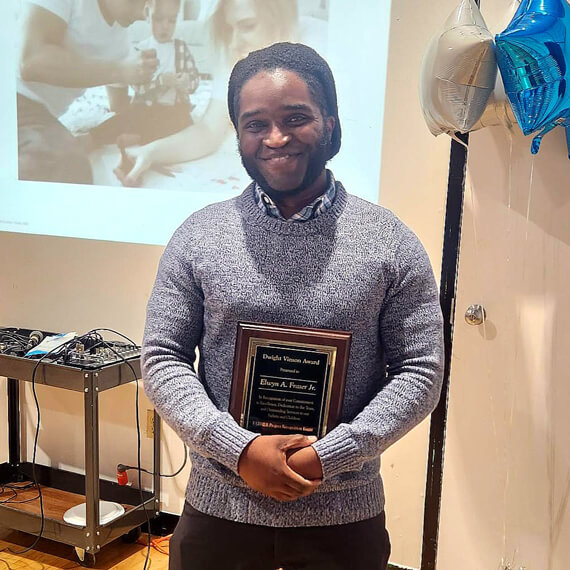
(288, 379)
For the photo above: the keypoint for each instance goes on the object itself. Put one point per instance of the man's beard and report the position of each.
(318, 158)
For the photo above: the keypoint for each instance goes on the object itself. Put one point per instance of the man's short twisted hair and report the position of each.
(300, 59)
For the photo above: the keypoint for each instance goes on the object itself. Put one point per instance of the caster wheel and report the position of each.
(85, 559)
(132, 536)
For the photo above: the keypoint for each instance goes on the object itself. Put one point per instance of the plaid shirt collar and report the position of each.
(310, 212)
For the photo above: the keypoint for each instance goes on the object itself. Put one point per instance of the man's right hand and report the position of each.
(263, 466)
(139, 67)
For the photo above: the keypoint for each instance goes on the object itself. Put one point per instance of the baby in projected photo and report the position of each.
(162, 106)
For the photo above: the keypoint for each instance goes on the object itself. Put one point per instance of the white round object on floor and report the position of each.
(108, 512)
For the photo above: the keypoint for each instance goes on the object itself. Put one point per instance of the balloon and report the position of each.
(458, 72)
(533, 56)
(498, 111)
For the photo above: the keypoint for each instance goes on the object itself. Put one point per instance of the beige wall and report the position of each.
(74, 285)
(507, 467)
(413, 185)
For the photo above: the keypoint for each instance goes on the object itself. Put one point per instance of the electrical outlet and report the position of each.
(150, 423)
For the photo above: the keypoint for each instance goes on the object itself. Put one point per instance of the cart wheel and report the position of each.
(132, 536)
(86, 559)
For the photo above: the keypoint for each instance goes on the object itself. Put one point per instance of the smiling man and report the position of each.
(295, 248)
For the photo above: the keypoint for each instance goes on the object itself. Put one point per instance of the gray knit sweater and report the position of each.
(355, 267)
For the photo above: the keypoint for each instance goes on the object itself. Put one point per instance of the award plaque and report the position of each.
(288, 380)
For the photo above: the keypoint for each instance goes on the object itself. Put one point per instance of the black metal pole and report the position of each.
(13, 388)
(448, 289)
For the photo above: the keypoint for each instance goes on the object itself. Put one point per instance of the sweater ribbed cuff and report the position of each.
(338, 452)
(227, 442)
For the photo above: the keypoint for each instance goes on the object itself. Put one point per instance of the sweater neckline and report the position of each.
(253, 214)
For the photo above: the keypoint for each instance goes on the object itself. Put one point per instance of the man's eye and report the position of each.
(255, 126)
(297, 119)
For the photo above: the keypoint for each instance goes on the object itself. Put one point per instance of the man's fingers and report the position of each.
(304, 489)
(297, 441)
(298, 482)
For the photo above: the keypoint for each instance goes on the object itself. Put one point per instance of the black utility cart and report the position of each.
(61, 489)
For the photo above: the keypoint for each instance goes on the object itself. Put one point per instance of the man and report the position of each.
(69, 45)
(294, 249)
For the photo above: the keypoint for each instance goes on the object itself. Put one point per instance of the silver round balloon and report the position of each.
(458, 72)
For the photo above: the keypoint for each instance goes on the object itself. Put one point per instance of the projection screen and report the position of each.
(195, 169)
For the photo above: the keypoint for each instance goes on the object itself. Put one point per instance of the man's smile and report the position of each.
(281, 160)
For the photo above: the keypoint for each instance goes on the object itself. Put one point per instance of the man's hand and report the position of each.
(139, 67)
(263, 466)
(306, 462)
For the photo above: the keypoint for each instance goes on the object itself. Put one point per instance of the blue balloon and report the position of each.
(533, 54)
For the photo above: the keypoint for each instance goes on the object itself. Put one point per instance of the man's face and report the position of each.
(163, 15)
(284, 140)
(125, 12)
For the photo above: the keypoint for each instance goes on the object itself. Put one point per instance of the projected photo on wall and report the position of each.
(118, 126)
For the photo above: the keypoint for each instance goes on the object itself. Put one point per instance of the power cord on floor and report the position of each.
(160, 544)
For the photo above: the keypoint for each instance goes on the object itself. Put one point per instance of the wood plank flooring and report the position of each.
(50, 555)
(55, 501)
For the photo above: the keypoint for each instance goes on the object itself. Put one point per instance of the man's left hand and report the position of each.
(306, 462)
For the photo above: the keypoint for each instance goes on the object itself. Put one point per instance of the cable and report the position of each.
(139, 469)
(64, 349)
(15, 488)
(2, 491)
(34, 478)
(121, 467)
(4, 561)
(139, 464)
(157, 543)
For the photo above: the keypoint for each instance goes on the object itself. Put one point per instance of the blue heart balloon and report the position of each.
(533, 54)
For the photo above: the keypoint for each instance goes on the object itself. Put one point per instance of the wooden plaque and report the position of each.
(287, 379)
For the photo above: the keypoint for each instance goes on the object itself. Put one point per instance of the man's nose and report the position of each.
(276, 137)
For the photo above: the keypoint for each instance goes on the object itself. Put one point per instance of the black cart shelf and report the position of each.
(64, 489)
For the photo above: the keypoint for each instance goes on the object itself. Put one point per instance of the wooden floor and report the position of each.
(49, 555)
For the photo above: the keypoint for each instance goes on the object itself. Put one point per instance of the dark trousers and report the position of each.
(149, 122)
(47, 151)
(202, 542)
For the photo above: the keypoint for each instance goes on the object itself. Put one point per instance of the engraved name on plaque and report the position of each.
(288, 379)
